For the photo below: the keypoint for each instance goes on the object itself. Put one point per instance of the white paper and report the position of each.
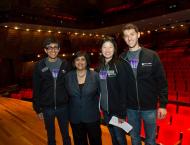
(124, 125)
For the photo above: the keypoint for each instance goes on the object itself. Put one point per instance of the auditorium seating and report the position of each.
(177, 65)
(25, 94)
(175, 56)
(175, 128)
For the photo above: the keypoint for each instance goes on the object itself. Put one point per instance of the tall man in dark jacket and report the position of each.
(146, 86)
(50, 99)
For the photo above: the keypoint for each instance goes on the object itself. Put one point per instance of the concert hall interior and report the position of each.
(82, 25)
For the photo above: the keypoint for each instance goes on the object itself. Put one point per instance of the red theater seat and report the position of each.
(26, 93)
(16, 96)
(168, 135)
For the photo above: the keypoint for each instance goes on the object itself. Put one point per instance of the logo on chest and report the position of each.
(103, 74)
(111, 73)
(144, 64)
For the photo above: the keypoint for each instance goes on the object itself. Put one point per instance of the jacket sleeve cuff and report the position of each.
(121, 115)
(37, 109)
(163, 105)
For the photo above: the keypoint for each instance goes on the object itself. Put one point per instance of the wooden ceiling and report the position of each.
(85, 14)
(91, 17)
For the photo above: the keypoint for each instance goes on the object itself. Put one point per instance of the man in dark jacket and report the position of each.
(50, 99)
(146, 87)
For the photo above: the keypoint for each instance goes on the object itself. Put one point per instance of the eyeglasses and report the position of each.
(55, 48)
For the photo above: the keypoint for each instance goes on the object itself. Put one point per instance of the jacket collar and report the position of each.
(75, 81)
(44, 66)
(124, 54)
(87, 79)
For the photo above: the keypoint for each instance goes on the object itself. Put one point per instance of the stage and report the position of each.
(19, 125)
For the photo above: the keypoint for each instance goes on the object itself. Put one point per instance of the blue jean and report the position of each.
(49, 119)
(149, 120)
(117, 134)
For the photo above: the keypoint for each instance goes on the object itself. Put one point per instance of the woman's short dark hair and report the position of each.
(109, 39)
(86, 56)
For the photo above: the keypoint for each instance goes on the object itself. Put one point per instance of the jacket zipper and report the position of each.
(55, 102)
(137, 93)
(136, 84)
(107, 99)
(107, 89)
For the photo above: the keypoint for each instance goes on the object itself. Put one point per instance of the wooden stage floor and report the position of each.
(19, 125)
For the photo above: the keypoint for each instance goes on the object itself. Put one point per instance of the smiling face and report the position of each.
(108, 50)
(80, 63)
(131, 38)
(52, 51)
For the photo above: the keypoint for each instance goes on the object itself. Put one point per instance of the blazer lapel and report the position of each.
(75, 83)
(87, 80)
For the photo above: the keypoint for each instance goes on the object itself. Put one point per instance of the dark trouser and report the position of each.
(82, 130)
(117, 134)
(49, 120)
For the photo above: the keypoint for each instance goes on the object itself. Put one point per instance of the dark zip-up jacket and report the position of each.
(48, 92)
(116, 92)
(150, 86)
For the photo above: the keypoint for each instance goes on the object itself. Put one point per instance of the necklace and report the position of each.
(81, 74)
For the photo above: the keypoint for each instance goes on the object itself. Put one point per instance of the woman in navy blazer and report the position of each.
(82, 85)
